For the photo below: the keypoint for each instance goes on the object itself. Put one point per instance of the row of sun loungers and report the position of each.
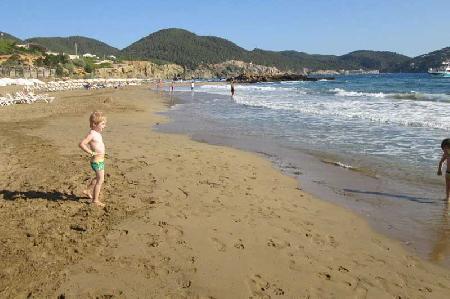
(88, 84)
(24, 98)
(28, 96)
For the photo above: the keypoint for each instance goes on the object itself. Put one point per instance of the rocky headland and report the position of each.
(255, 78)
(230, 69)
(140, 69)
(246, 72)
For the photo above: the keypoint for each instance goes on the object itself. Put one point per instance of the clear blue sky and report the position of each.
(410, 27)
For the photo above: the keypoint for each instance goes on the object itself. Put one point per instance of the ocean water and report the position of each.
(395, 119)
(387, 128)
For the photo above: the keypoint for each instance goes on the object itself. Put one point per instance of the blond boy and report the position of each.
(94, 146)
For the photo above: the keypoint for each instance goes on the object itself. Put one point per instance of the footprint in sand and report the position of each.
(185, 283)
(332, 242)
(239, 244)
(261, 288)
(300, 263)
(380, 244)
(316, 238)
(143, 162)
(278, 244)
(384, 283)
(258, 284)
(219, 244)
(172, 234)
(162, 223)
(153, 240)
(278, 291)
(325, 275)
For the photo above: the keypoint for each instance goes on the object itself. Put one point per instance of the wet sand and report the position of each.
(182, 219)
(411, 212)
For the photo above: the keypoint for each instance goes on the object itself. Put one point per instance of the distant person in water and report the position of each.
(172, 86)
(232, 88)
(445, 145)
(192, 85)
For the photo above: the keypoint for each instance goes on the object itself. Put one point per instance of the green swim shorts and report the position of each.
(96, 166)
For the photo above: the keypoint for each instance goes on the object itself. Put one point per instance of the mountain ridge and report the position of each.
(67, 45)
(190, 50)
(423, 62)
(182, 47)
(10, 37)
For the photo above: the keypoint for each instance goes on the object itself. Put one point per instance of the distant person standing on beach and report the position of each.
(172, 86)
(94, 146)
(445, 146)
(232, 88)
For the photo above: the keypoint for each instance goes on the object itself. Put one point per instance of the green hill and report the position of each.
(188, 49)
(183, 47)
(312, 61)
(423, 62)
(67, 45)
(5, 35)
(380, 60)
(8, 44)
(362, 59)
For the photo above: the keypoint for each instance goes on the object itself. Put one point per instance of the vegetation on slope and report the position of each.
(184, 48)
(67, 45)
(188, 49)
(9, 47)
(422, 63)
(4, 35)
(380, 60)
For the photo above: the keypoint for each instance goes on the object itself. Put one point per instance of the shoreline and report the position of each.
(182, 219)
(395, 208)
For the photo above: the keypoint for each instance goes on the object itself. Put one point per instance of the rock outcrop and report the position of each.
(140, 69)
(343, 72)
(251, 78)
(245, 72)
(229, 69)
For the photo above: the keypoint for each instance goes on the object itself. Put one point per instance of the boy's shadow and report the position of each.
(52, 196)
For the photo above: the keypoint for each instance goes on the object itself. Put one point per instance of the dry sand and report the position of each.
(182, 219)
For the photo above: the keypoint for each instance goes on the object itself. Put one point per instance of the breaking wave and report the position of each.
(415, 96)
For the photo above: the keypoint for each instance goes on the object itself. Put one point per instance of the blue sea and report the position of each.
(372, 140)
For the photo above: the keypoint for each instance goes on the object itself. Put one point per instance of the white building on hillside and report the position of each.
(24, 46)
(89, 55)
(104, 61)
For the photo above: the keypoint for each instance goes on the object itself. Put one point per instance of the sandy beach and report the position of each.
(182, 219)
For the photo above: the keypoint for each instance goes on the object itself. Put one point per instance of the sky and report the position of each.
(409, 27)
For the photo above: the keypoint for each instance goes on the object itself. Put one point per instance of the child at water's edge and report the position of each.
(94, 146)
(445, 145)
